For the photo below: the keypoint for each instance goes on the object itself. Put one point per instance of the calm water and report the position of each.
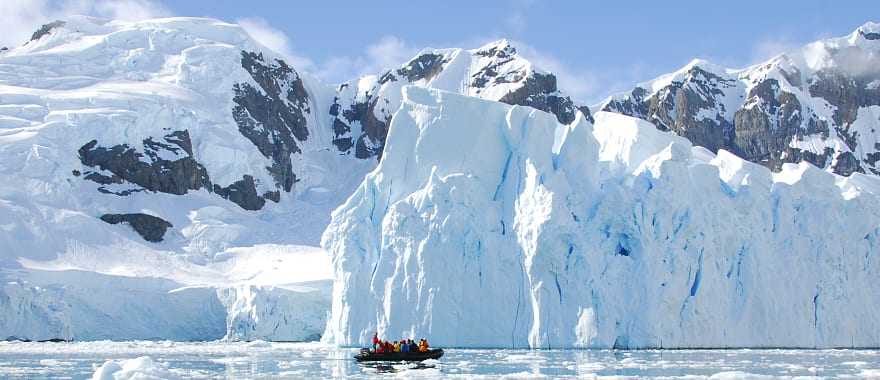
(262, 360)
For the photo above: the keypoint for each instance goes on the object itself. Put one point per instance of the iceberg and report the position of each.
(489, 225)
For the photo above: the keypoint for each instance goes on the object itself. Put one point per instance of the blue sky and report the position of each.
(596, 48)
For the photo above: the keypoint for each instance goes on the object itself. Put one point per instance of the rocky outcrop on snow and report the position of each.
(46, 29)
(514, 230)
(818, 104)
(273, 117)
(166, 167)
(151, 228)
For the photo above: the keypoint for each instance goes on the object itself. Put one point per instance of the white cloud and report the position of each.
(276, 40)
(516, 21)
(771, 47)
(20, 18)
(129, 9)
(580, 84)
(386, 53)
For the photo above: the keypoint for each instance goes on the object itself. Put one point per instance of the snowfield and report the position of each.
(491, 225)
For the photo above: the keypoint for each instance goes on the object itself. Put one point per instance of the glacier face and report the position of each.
(495, 225)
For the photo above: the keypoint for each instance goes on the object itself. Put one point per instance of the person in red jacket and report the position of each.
(375, 341)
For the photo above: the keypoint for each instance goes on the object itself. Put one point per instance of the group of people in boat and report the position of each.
(404, 345)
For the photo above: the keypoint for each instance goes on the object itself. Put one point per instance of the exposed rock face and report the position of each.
(540, 92)
(765, 125)
(46, 29)
(774, 113)
(872, 36)
(425, 66)
(244, 193)
(151, 228)
(369, 112)
(165, 166)
(273, 115)
(538, 89)
(679, 108)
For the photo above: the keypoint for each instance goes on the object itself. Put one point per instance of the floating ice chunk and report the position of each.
(142, 368)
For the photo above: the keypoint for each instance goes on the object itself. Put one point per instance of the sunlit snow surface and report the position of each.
(303, 360)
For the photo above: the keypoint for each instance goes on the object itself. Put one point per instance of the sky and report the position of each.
(596, 48)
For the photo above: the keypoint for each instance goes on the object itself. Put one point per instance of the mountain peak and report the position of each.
(499, 48)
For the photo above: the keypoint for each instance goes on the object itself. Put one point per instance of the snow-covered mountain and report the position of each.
(362, 110)
(146, 169)
(494, 225)
(174, 157)
(820, 104)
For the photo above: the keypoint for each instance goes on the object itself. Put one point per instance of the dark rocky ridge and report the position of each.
(763, 128)
(153, 173)
(272, 117)
(675, 108)
(871, 36)
(150, 172)
(46, 29)
(151, 228)
(371, 141)
(539, 90)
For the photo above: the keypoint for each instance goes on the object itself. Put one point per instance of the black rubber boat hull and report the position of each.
(399, 356)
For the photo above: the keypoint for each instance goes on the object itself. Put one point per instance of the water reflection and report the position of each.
(386, 367)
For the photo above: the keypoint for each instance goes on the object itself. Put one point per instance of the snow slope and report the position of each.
(492, 225)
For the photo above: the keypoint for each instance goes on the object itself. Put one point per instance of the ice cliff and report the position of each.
(494, 225)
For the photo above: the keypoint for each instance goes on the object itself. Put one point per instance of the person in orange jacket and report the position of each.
(423, 345)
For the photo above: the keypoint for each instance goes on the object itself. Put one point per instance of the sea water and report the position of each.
(259, 360)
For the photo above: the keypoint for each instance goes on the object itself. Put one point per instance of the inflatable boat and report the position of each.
(369, 356)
